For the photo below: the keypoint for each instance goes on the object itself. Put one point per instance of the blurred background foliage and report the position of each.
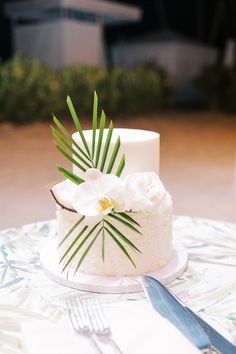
(29, 90)
(217, 85)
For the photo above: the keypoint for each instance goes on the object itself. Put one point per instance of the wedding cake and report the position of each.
(114, 216)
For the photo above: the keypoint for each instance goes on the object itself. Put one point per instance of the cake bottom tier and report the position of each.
(155, 245)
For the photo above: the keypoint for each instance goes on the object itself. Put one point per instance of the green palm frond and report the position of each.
(124, 222)
(103, 244)
(114, 155)
(100, 137)
(87, 250)
(127, 217)
(106, 146)
(97, 157)
(69, 137)
(89, 159)
(70, 158)
(71, 230)
(107, 227)
(79, 246)
(121, 166)
(122, 236)
(119, 244)
(77, 123)
(80, 234)
(61, 140)
(71, 176)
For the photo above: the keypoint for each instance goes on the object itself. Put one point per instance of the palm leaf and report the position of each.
(79, 246)
(87, 250)
(129, 218)
(71, 176)
(125, 239)
(120, 246)
(100, 136)
(69, 147)
(70, 247)
(69, 137)
(126, 223)
(106, 147)
(70, 158)
(95, 114)
(114, 155)
(77, 123)
(121, 166)
(71, 230)
(103, 244)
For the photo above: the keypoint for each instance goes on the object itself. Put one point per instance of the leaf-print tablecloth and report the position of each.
(208, 286)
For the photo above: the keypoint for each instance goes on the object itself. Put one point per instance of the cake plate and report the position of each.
(110, 284)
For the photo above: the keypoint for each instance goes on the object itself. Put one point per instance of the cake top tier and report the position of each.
(126, 135)
(140, 147)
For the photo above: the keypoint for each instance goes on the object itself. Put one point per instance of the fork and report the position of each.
(100, 325)
(79, 321)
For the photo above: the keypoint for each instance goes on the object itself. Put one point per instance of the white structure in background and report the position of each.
(181, 58)
(229, 55)
(65, 32)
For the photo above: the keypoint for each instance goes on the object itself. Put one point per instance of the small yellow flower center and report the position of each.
(104, 204)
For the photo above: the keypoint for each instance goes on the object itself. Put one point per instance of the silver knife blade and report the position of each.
(153, 288)
(167, 306)
(219, 343)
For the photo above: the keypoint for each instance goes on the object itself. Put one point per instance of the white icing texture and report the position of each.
(144, 193)
(155, 243)
(140, 147)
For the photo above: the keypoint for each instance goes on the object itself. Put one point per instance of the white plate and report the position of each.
(109, 284)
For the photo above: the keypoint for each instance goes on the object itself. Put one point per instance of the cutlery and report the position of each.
(98, 321)
(191, 325)
(80, 322)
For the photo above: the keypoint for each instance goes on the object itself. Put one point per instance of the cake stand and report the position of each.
(110, 284)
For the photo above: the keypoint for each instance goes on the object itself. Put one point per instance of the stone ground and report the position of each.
(198, 166)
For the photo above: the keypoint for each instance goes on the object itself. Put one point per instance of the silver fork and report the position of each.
(99, 323)
(79, 320)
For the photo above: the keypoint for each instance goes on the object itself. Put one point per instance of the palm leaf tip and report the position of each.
(71, 176)
(106, 146)
(77, 124)
(113, 155)
(100, 137)
(121, 166)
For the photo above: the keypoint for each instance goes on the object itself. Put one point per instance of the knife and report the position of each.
(202, 335)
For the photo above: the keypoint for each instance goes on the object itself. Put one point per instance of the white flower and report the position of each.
(99, 194)
(144, 191)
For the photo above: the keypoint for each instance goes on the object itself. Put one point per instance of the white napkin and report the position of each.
(135, 326)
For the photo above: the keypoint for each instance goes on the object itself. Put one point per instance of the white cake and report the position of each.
(141, 149)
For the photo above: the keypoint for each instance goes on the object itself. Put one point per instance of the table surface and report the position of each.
(208, 286)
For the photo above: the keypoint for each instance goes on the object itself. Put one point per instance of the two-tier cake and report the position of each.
(114, 216)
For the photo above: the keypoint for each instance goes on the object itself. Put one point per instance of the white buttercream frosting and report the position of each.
(139, 191)
(140, 147)
(155, 243)
(152, 209)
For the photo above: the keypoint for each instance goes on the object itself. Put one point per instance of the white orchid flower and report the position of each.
(99, 194)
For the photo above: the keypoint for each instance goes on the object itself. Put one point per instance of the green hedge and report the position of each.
(30, 91)
(217, 85)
